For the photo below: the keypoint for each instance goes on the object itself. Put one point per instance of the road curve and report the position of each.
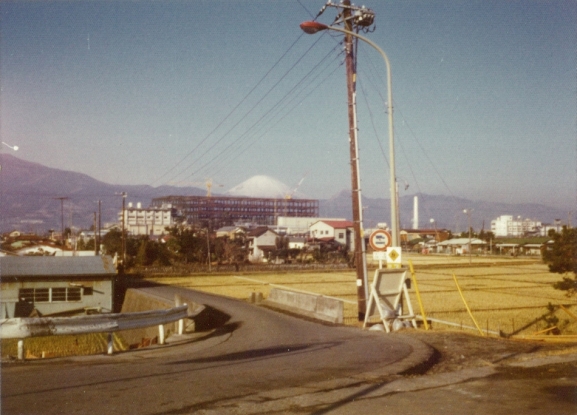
(254, 351)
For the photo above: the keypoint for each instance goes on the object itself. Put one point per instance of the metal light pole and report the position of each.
(311, 27)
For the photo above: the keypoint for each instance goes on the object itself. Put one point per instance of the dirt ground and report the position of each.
(456, 350)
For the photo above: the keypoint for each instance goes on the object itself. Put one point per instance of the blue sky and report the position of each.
(175, 92)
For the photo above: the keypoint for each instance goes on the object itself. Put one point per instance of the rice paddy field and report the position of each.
(511, 296)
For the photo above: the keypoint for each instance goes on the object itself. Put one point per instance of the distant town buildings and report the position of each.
(506, 225)
(150, 221)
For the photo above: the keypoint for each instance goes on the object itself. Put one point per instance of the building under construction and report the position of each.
(222, 210)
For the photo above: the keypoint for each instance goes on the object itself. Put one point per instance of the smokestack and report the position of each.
(416, 213)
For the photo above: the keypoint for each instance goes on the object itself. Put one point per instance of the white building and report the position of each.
(340, 231)
(298, 225)
(506, 225)
(147, 221)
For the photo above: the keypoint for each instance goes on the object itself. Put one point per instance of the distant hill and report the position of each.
(29, 192)
(447, 211)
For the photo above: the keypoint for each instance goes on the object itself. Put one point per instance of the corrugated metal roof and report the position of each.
(42, 266)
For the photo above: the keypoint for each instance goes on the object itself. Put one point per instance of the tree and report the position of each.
(562, 259)
(112, 242)
(151, 253)
(187, 244)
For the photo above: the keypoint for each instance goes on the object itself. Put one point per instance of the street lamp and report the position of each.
(468, 213)
(311, 28)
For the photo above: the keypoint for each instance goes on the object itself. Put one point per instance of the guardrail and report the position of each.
(21, 328)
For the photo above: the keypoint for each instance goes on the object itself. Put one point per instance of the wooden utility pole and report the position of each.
(95, 237)
(123, 230)
(99, 227)
(62, 199)
(359, 254)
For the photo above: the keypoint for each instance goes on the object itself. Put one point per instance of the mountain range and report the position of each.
(36, 198)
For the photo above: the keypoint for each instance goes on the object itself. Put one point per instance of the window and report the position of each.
(50, 295)
(341, 235)
(58, 294)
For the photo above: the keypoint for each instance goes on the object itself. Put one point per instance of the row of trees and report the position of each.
(189, 245)
(182, 245)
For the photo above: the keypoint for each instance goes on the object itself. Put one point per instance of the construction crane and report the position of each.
(290, 194)
(208, 183)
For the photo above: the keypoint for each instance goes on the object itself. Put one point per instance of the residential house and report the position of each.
(460, 246)
(340, 231)
(261, 242)
(296, 242)
(231, 232)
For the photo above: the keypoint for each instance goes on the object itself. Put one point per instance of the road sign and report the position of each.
(380, 240)
(394, 255)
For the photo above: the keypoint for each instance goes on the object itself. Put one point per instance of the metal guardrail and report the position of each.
(21, 328)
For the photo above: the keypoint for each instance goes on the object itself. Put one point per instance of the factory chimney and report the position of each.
(416, 213)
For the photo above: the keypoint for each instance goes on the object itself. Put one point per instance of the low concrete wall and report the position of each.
(140, 300)
(310, 305)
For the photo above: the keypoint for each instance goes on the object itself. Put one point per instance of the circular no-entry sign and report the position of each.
(380, 240)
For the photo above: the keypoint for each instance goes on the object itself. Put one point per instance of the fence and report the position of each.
(21, 328)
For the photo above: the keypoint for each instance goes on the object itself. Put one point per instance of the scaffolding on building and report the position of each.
(224, 210)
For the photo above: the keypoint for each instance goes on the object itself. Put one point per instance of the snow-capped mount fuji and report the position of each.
(262, 186)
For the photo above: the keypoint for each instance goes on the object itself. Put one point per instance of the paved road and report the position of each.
(254, 353)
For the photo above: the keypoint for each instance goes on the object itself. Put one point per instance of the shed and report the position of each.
(48, 285)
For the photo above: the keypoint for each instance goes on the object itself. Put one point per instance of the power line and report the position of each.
(280, 105)
(247, 113)
(231, 112)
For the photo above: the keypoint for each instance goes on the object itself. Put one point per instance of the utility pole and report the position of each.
(354, 19)
(62, 199)
(97, 235)
(359, 253)
(123, 230)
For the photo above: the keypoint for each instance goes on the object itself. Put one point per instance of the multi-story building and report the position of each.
(506, 225)
(220, 211)
(148, 221)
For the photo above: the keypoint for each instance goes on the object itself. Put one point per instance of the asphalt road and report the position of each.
(255, 352)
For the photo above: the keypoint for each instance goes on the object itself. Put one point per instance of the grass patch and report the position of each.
(62, 346)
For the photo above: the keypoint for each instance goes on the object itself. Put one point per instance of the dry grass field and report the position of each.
(61, 346)
(507, 295)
